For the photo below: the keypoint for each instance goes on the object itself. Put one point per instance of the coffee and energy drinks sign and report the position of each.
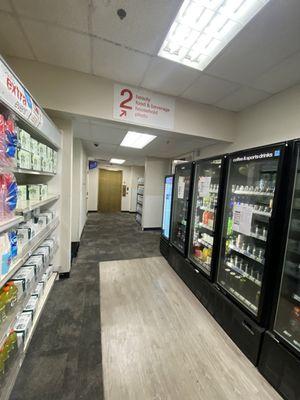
(141, 107)
(17, 97)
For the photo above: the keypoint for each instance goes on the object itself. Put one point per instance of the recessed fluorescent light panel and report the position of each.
(136, 140)
(202, 28)
(117, 161)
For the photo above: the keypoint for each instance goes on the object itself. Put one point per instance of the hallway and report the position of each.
(64, 358)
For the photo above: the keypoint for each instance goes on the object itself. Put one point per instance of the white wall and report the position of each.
(79, 190)
(88, 95)
(66, 181)
(155, 171)
(273, 120)
(93, 186)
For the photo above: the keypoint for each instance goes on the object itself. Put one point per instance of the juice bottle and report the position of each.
(2, 307)
(12, 343)
(2, 363)
(13, 293)
(7, 299)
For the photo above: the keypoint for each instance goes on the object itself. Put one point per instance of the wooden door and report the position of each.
(110, 185)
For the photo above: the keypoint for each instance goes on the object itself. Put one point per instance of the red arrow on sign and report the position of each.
(123, 113)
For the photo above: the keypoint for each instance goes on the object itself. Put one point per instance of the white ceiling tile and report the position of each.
(272, 36)
(144, 27)
(118, 63)
(5, 5)
(107, 134)
(242, 98)
(59, 47)
(207, 89)
(68, 13)
(168, 77)
(12, 40)
(281, 77)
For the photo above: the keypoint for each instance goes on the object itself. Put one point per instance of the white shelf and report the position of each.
(206, 244)
(260, 237)
(265, 214)
(248, 255)
(243, 273)
(10, 223)
(27, 251)
(32, 172)
(30, 205)
(248, 193)
(206, 226)
(14, 370)
(207, 209)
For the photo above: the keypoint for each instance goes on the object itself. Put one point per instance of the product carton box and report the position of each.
(23, 325)
(42, 150)
(23, 159)
(38, 263)
(36, 162)
(34, 147)
(41, 221)
(49, 153)
(43, 191)
(24, 140)
(55, 161)
(26, 276)
(51, 244)
(31, 306)
(39, 290)
(22, 193)
(45, 252)
(23, 237)
(33, 192)
(45, 165)
(20, 288)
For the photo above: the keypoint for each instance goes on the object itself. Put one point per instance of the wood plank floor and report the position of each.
(159, 343)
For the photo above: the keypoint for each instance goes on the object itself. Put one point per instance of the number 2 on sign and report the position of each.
(129, 97)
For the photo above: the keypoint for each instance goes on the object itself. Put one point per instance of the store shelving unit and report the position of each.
(139, 200)
(30, 205)
(29, 116)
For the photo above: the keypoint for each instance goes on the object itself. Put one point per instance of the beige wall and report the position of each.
(78, 93)
(273, 120)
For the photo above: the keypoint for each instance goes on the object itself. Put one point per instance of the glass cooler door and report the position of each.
(168, 191)
(180, 206)
(287, 320)
(204, 207)
(249, 202)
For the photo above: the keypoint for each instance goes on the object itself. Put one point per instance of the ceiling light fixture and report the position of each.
(137, 140)
(116, 161)
(202, 28)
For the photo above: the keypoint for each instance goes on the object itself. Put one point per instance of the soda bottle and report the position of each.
(2, 308)
(13, 293)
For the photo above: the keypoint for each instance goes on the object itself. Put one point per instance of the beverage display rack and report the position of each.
(139, 200)
(248, 209)
(28, 116)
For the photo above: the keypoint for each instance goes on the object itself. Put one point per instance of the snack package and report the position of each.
(8, 142)
(8, 195)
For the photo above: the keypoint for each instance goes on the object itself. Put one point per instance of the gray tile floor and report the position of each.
(64, 357)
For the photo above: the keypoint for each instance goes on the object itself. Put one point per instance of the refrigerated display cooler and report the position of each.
(251, 223)
(166, 216)
(181, 206)
(167, 207)
(206, 214)
(280, 356)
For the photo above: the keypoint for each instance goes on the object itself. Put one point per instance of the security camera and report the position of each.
(96, 144)
(121, 13)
